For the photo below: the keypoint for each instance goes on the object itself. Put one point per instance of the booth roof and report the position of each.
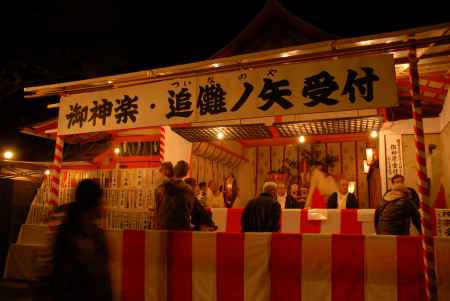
(432, 43)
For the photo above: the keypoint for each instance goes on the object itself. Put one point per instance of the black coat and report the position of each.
(261, 215)
(352, 202)
(394, 217)
(292, 203)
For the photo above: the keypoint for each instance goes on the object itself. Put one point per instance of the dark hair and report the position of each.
(191, 182)
(181, 169)
(397, 177)
(87, 196)
(202, 185)
(167, 169)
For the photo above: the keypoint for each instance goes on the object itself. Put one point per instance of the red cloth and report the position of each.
(349, 222)
(230, 266)
(234, 220)
(133, 284)
(347, 267)
(317, 200)
(179, 266)
(308, 226)
(410, 267)
(286, 267)
(440, 201)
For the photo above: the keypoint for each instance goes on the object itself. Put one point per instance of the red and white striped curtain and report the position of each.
(197, 266)
(320, 221)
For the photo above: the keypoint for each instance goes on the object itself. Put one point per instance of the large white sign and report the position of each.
(443, 222)
(286, 89)
(394, 156)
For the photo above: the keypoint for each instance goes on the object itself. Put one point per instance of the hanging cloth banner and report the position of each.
(394, 156)
(285, 89)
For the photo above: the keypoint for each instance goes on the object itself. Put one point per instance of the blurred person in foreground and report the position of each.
(80, 253)
(263, 213)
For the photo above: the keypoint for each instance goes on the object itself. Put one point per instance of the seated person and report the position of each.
(281, 194)
(214, 196)
(342, 199)
(202, 193)
(396, 211)
(292, 198)
(262, 214)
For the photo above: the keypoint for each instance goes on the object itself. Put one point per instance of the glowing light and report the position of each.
(374, 134)
(301, 139)
(110, 82)
(117, 150)
(369, 155)
(366, 166)
(351, 187)
(47, 172)
(220, 135)
(8, 155)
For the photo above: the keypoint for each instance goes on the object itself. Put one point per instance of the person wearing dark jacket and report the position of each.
(201, 218)
(262, 214)
(396, 212)
(292, 198)
(80, 254)
(342, 199)
(400, 181)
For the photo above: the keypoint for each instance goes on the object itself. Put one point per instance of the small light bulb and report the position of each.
(366, 166)
(47, 172)
(374, 134)
(110, 82)
(301, 139)
(220, 135)
(8, 155)
(117, 150)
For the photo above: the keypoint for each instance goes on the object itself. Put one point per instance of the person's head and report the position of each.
(191, 182)
(398, 182)
(181, 169)
(87, 206)
(270, 188)
(166, 170)
(281, 189)
(321, 166)
(343, 186)
(294, 192)
(212, 186)
(202, 186)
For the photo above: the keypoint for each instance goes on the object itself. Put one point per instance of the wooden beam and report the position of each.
(309, 139)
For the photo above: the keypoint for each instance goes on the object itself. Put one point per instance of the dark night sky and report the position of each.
(58, 40)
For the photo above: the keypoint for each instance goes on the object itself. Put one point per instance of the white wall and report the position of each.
(176, 147)
(445, 114)
(403, 127)
(445, 145)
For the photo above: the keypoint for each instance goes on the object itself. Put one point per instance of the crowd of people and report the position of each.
(182, 204)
